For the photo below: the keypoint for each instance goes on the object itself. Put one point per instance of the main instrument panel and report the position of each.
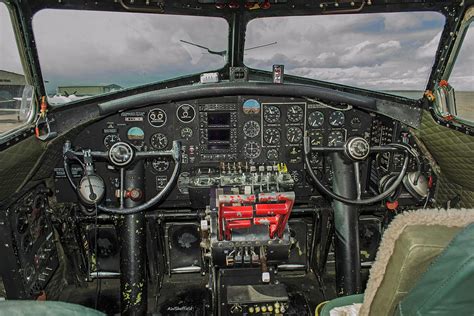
(228, 135)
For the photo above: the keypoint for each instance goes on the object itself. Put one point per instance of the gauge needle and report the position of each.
(334, 122)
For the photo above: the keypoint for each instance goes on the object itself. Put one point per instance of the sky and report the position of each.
(392, 51)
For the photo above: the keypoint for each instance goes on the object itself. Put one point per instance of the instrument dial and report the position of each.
(271, 114)
(297, 176)
(272, 154)
(356, 122)
(160, 164)
(294, 135)
(185, 113)
(316, 119)
(337, 119)
(158, 141)
(295, 114)
(111, 139)
(271, 136)
(252, 149)
(186, 133)
(335, 138)
(251, 129)
(316, 138)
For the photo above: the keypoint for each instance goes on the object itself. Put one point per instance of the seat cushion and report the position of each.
(447, 287)
(341, 301)
(408, 247)
(46, 308)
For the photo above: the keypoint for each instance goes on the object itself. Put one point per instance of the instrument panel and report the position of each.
(223, 135)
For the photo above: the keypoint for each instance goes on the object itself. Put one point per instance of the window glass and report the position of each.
(462, 77)
(15, 93)
(88, 53)
(391, 52)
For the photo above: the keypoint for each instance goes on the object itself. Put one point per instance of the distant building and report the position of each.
(81, 91)
(11, 86)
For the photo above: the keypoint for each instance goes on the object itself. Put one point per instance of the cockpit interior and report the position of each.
(237, 191)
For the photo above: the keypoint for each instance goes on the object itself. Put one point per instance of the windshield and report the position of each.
(391, 52)
(87, 53)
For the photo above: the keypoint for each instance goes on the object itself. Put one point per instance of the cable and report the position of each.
(96, 247)
(347, 108)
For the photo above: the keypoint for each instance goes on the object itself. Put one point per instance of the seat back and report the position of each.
(447, 287)
(408, 248)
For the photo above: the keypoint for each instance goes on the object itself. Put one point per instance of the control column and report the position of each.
(346, 223)
(133, 281)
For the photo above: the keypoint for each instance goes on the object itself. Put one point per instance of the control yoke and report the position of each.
(120, 155)
(357, 149)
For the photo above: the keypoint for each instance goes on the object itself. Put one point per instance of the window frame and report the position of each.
(26, 126)
(467, 21)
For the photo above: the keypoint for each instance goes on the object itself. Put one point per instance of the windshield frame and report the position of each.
(237, 20)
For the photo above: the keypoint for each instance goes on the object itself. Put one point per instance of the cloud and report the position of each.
(375, 51)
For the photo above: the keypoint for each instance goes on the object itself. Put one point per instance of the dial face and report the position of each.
(295, 154)
(185, 113)
(111, 139)
(136, 136)
(315, 158)
(183, 183)
(295, 114)
(271, 114)
(251, 129)
(297, 176)
(316, 138)
(186, 133)
(294, 135)
(337, 119)
(252, 150)
(316, 119)
(271, 136)
(335, 138)
(157, 117)
(355, 122)
(160, 164)
(272, 154)
(158, 141)
(251, 106)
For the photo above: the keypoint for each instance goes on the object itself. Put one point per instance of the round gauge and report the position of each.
(251, 129)
(183, 183)
(335, 138)
(272, 154)
(294, 135)
(337, 119)
(252, 150)
(316, 138)
(355, 122)
(111, 139)
(295, 114)
(295, 154)
(185, 113)
(251, 106)
(316, 119)
(157, 117)
(271, 114)
(297, 176)
(315, 158)
(271, 136)
(136, 136)
(186, 133)
(160, 164)
(158, 141)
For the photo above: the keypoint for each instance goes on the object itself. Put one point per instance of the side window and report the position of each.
(461, 78)
(16, 96)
